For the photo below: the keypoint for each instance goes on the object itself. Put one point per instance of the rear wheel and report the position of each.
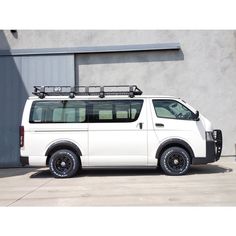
(175, 161)
(64, 164)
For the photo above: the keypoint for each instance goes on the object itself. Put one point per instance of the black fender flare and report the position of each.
(63, 145)
(174, 142)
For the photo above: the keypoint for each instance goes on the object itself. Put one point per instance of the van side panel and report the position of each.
(40, 136)
(153, 141)
(119, 143)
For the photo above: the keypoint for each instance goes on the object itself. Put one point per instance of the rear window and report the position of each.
(58, 112)
(68, 111)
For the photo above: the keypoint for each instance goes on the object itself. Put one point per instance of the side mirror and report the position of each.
(197, 116)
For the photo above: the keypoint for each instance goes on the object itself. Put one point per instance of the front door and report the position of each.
(117, 132)
(173, 120)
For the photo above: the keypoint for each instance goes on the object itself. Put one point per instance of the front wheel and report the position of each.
(64, 164)
(175, 161)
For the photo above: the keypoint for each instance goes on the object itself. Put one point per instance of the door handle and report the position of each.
(140, 125)
(159, 125)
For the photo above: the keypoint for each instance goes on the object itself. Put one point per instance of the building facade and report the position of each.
(198, 66)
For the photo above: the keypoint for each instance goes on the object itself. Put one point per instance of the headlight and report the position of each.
(209, 135)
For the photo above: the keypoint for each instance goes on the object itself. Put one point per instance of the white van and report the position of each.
(69, 128)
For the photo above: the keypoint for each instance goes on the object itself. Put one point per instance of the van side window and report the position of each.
(114, 111)
(58, 112)
(172, 109)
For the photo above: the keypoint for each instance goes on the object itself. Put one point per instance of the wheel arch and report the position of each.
(63, 145)
(174, 143)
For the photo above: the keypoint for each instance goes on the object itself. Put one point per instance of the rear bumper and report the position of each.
(24, 161)
(33, 160)
(214, 142)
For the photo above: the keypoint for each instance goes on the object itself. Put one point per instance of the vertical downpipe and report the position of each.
(76, 72)
(235, 151)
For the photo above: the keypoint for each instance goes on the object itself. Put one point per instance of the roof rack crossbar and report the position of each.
(101, 91)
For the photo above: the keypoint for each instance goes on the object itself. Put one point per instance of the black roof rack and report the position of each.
(101, 91)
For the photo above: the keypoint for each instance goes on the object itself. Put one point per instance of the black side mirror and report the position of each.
(197, 116)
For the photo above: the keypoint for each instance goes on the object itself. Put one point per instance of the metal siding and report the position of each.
(47, 70)
(17, 77)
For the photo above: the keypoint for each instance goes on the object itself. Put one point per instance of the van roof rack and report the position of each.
(101, 91)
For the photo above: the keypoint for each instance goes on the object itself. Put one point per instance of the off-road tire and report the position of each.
(64, 164)
(175, 161)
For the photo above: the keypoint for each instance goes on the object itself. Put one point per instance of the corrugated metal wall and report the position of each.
(18, 75)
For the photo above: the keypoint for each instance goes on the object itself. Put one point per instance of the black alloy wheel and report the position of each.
(175, 161)
(64, 164)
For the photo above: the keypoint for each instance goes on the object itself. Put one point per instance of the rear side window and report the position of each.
(58, 112)
(114, 111)
(172, 109)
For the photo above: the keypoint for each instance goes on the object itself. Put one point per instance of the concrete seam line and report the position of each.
(18, 199)
(228, 155)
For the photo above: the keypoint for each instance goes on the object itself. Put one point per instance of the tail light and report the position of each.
(22, 136)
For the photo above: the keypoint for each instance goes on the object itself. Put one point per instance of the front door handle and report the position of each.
(159, 125)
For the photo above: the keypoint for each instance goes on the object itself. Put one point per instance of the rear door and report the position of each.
(51, 121)
(117, 132)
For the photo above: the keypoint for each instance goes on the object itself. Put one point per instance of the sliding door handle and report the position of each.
(140, 125)
(159, 125)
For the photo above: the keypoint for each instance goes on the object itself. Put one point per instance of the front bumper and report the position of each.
(214, 142)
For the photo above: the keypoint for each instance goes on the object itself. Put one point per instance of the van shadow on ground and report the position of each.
(201, 169)
(19, 171)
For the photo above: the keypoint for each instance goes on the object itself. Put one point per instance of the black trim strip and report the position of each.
(24, 160)
(63, 144)
(174, 142)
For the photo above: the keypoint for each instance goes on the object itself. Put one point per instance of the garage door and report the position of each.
(17, 77)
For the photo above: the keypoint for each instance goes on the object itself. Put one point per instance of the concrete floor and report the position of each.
(206, 185)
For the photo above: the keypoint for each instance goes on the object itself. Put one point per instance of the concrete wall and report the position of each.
(203, 72)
